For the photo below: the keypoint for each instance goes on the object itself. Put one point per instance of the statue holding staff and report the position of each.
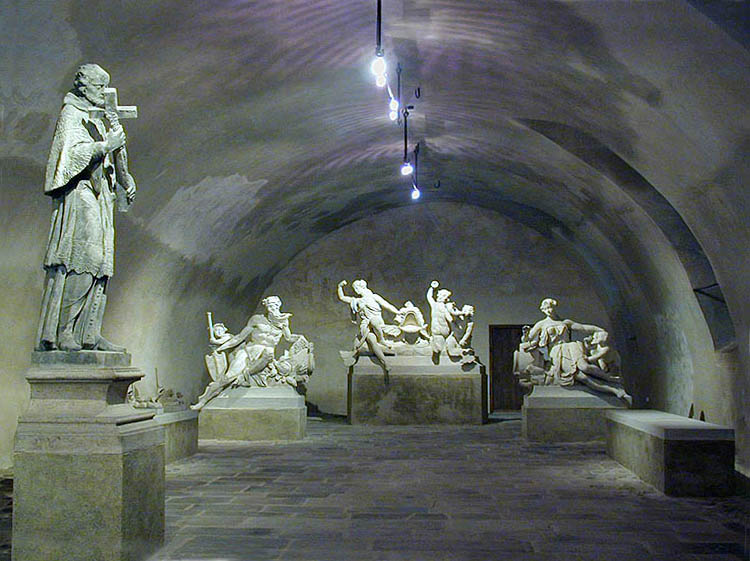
(87, 165)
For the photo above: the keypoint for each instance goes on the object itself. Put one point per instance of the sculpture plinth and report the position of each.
(88, 467)
(271, 413)
(566, 414)
(418, 392)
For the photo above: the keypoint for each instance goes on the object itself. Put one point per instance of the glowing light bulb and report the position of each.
(393, 105)
(415, 194)
(378, 66)
(393, 115)
(380, 81)
(406, 168)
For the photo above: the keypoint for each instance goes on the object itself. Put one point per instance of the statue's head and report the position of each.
(359, 286)
(90, 81)
(599, 338)
(219, 329)
(548, 306)
(272, 304)
(443, 294)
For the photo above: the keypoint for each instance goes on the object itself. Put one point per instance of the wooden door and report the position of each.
(505, 393)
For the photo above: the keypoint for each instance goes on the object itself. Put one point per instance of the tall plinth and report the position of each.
(418, 392)
(88, 467)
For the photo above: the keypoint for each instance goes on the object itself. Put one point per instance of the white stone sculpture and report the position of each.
(444, 327)
(86, 172)
(550, 355)
(252, 358)
(367, 312)
(164, 398)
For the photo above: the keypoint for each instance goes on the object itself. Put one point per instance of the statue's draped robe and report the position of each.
(80, 248)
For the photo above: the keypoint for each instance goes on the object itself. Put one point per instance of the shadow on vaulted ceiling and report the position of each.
(705, 287)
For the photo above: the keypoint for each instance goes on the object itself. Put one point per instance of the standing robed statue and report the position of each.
(87, 176)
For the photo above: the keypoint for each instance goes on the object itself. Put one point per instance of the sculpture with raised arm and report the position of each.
(87, 167)
(444, 316)
(252, 360)
(367, 312)
(550, 355)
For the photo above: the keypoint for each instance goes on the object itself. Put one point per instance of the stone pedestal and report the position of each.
(557, 414)
(418, 392)
(88, 467)
(272, 413)
(180, 433)
(679, 456)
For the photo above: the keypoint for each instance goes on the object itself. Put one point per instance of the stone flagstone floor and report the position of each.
(429, 493)
(433, 493)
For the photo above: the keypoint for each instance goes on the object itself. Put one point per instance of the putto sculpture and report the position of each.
(562, 352)
(449, 331)
(87, 172)
(249, 358)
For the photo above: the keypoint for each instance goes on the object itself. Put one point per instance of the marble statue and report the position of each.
(249, 358)
(367, 312)
(164, 398)
(449, 331)
(550, 354)
(87, 172)
(444, 318)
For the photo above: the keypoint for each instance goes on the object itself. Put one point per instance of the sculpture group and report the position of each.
(87, 177)
(249, 358)
(562, 352)
(448, 333)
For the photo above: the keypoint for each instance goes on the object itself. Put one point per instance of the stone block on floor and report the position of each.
(88, 468)
(180, 433)
(677, 455)
(272, 413)
(418, 392)
(557, 414)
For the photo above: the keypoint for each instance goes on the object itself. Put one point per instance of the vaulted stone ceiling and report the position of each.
(261, 127)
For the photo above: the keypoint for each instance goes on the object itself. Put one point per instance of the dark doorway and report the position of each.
(505, 393)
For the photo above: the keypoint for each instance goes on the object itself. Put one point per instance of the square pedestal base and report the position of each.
(418, 393)
(679, 456)
(556, 414)
(273, 413)
(88, 467)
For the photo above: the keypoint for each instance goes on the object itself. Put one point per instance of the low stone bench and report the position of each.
(180, 433)
(677, 455)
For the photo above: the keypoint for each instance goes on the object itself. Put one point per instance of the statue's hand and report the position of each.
(342, 283)
(130, 188)
(115, 139)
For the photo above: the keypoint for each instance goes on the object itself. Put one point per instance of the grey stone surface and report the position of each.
(180, 433)
(88, 468)
(272, 413)
(557, 414)
(94, 358)
(677, 455)
(418, 392)
(433, 493)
